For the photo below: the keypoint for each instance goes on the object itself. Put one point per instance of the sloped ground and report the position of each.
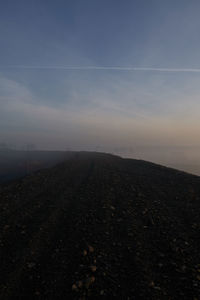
(16, 164)
(99, 227)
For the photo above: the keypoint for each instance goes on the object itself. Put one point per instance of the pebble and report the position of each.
(89, 281)
(31, 265)
(80, 283)
(74, 287)
(91, 249)
(93, 268)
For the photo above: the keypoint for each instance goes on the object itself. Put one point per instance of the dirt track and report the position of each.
(98, 227)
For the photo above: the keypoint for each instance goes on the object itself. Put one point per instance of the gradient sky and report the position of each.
(59, 87)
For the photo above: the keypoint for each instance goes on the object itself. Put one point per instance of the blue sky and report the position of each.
(45, 102)
(150, 33)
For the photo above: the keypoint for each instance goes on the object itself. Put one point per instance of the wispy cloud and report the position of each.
(108, 68)
(102, 119)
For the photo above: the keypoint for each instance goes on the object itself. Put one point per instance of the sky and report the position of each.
(104, 75)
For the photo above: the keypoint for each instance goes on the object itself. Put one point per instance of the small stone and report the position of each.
(112, 207)
(157, 288)
(162, 254)
(31, 265)
(93, 268)
(6, 227)
(151, 284)
(74, 287)
(92, 279)
(102, 292)
(37, 293)
(183, 268)
(91, 249)
(80, 284)
(89, 281)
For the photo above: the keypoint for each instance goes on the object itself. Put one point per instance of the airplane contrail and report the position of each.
(114, 68)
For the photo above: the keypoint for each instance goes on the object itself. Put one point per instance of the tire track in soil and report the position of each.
(42, 243)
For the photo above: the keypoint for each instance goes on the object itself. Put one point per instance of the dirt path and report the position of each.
(99, 227)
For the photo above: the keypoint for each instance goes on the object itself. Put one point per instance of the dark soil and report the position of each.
(101, 227)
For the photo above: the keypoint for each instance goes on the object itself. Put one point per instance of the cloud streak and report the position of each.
(106, 68)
